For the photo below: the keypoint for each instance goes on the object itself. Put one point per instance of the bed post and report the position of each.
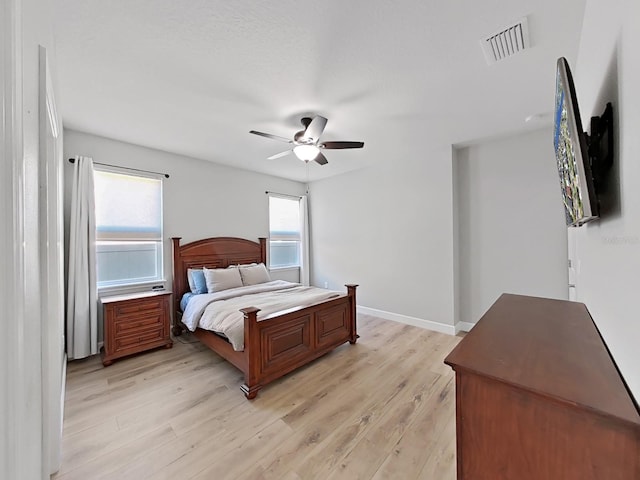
(263, 249)
(251, 386)
(178, 286)
(351, 291)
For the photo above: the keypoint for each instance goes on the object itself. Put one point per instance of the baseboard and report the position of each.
(464, 327)
(416, 322)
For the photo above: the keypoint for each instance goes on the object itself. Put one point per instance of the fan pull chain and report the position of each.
(307, 185)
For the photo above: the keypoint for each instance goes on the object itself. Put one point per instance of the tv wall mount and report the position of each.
(600, 145)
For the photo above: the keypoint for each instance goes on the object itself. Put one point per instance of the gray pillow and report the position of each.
(254, 274)
(218, 279)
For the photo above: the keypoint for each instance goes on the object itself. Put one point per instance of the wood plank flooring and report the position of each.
(380, 409)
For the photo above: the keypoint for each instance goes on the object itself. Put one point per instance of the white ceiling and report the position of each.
(194, 76)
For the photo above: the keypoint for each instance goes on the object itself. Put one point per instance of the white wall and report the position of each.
(201, 199)
(608, 251)
(390, 230)
(512, 233)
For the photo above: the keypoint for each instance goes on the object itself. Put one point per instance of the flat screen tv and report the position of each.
(572, 156)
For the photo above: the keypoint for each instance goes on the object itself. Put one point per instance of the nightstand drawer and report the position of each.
(128, 326)
(138, 307)
(140, 337)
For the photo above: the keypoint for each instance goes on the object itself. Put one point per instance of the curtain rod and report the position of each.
(268, 192)
(166, 175)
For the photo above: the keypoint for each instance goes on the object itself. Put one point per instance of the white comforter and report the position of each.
(220, 312)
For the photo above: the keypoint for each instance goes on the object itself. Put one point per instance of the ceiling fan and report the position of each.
(307, 145)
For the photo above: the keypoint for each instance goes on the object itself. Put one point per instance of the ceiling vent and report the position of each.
(506, 42)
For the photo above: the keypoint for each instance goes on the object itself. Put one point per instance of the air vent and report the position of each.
(506, 42)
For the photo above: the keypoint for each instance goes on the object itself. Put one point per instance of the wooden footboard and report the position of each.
(277, 345)
(274, 345)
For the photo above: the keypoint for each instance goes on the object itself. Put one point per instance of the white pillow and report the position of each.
(218, 279)
(254, 274)
(238, 265)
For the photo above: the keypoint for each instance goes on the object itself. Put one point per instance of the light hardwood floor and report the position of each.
(380, 409)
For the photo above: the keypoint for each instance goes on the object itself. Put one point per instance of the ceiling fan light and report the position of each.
(306, 153)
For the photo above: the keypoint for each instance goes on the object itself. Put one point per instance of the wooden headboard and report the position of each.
(215, 252)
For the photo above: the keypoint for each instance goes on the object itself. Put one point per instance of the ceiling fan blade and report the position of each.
(337, 145)
(273, 137)
(278, 155)
(321, 159)
(315, 128)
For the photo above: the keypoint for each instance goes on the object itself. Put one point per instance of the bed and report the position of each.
(276, 343)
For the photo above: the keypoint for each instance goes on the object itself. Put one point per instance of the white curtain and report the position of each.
(304, 240)
(82, 318)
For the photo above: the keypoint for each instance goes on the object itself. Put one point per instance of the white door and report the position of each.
(51, 269)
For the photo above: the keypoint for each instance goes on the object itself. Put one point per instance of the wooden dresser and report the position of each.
(538, 397)
(135, 323)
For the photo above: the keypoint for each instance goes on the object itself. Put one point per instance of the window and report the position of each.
(284, 232)
(128, 228)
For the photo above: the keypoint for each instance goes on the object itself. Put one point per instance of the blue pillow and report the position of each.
(197, 283)
(185, 299)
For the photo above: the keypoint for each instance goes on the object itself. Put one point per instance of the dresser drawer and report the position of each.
(140, 337)
(143, 321)
(137, 307)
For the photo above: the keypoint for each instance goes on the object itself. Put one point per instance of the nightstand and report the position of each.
(134, 323)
